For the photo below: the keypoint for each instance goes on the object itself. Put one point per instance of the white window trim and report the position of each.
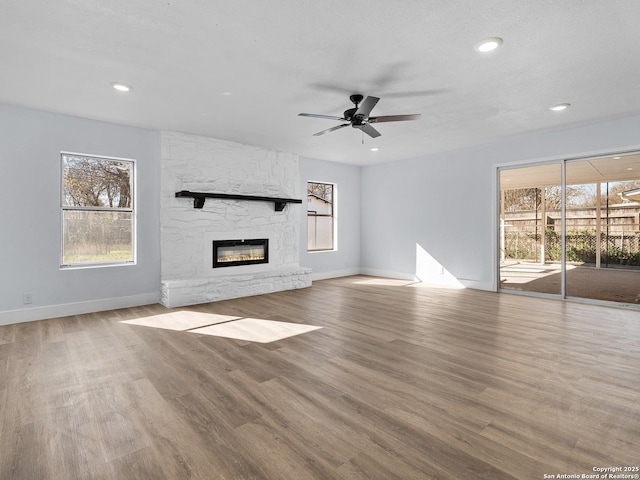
(134, 210)
(334, 216)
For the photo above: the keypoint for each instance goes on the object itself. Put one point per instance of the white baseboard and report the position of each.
(374, 272)
(53, 311)
(335, 274)
(433, 280)
(477, 285)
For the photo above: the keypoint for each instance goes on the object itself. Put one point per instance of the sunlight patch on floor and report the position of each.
(520, 273)
(181, 320)
(239, 328)
(524, 270)
(256, 330)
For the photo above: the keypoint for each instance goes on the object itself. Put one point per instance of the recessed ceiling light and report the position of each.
(629, 169)
(374, 149)
(226, 94)
(617, 158)
(560, 107)
(488, 44)
(121, 87)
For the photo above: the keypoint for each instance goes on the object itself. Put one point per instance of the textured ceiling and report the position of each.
(242, 70)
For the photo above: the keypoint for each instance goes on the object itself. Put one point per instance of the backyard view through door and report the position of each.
(601, 234)
(530, 206)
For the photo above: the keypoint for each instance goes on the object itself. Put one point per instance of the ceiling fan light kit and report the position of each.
(358, 116)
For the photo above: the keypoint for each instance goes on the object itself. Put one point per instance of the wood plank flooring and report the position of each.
(401, 382)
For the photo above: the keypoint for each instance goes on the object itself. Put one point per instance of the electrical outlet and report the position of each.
(27, 298)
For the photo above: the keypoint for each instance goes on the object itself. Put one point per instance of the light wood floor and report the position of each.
(400, 382)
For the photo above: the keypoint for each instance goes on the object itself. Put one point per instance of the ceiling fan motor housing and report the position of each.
(348, 114)
(358, 120)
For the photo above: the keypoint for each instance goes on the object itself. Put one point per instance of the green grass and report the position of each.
(117, 255)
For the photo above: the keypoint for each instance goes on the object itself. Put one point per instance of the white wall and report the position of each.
(433, 218)
(441, 206)
(30, 146)
(346, 259)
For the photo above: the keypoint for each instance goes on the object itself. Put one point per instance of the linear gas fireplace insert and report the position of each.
(232, 253)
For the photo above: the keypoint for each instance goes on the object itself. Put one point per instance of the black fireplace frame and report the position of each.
(235, 243)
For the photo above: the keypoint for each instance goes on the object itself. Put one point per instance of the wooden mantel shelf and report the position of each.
(199, 198)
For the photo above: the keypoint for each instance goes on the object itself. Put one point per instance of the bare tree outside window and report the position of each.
(320, 216)
(97, 210)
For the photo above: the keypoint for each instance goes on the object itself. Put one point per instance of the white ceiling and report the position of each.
(281, 57)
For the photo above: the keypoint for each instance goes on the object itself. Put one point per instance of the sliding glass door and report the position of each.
(572, 235)
(530, 226)
(602, 228)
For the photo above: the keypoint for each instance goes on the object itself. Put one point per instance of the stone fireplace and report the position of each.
(235, 253)
(189, 235)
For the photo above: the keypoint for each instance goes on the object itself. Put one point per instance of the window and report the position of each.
(97, 211)
(320, 216)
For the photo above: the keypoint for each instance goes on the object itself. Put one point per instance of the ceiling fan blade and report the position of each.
(369, 130)
(331, 129)
(366, 106)
(394, 118)
(313, 115)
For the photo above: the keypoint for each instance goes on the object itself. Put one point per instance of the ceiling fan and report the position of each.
(358, 117)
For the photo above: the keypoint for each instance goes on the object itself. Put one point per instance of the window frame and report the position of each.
(333, 215)
(132, 209)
